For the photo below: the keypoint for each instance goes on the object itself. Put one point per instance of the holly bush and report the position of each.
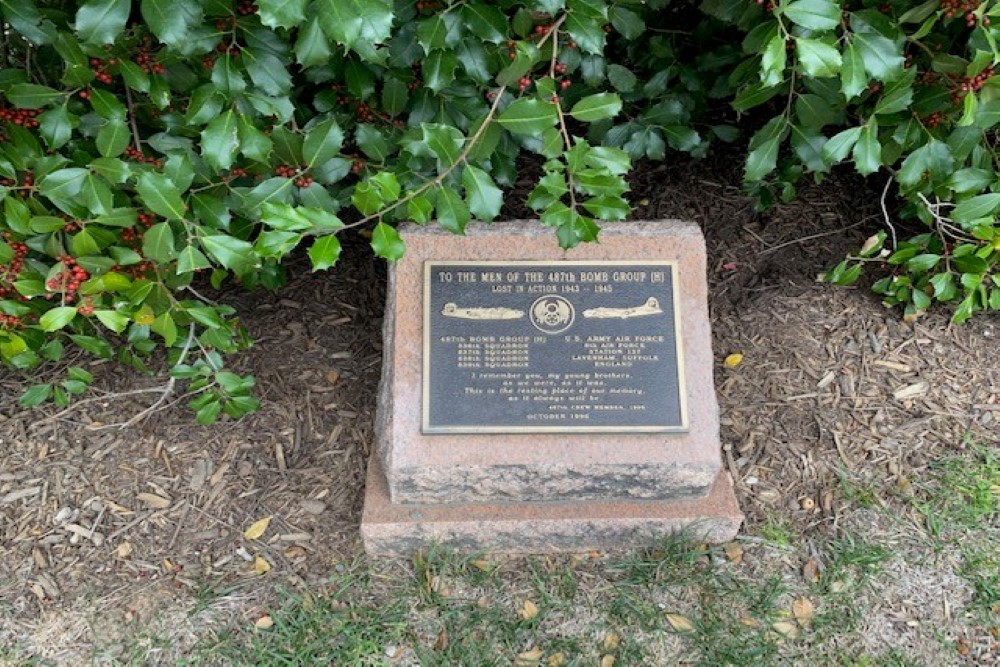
(150, 149)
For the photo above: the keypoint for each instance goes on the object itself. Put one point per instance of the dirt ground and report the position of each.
(119, 525)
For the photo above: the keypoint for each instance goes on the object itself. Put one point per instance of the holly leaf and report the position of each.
(160, 195)
(57, 318)
(386, 242)
(322, 143)
(452, 213)
(101, 21)
(282, 13)
(220, 141)
(324, 252)
(528, 116)
(484, 198)
(597, 107)
(868, 151)
(171, 20)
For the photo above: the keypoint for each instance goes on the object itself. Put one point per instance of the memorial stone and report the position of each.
(537, 399)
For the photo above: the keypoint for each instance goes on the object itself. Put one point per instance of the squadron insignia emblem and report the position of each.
(552, 314)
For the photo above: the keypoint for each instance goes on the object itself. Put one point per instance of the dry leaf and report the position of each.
(734, 552)
(802, 609)
(556, 659)
(261, 566)
(333, 376)
(529, 610)
(529, 657)
(295, 551)
(608, 661)
(995, 489)
(611, 641)
(870, 243)
(749, 622)
(786, 629)
(810, 571)
(257, 528)
(481, 564)
(680, 622)
(733, 360)
(441, 643)
(124, 550)
(154, 501)
(264, 622)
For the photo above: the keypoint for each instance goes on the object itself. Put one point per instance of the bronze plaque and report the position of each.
(552, 347)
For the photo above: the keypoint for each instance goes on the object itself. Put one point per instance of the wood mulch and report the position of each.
(122, 523)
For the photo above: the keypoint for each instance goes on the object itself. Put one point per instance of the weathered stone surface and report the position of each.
(470, 468)
(388, 528)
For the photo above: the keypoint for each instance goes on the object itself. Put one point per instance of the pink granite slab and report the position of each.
(489, 468)
(388, 528)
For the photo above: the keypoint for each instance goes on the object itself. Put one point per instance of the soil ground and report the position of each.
(836, 412)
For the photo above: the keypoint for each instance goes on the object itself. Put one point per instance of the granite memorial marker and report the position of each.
(536, 399)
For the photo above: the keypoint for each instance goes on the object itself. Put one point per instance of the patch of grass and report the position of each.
(960, 494)
(778, 530)
(981, 568)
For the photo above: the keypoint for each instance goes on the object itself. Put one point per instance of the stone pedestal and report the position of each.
(549, 491)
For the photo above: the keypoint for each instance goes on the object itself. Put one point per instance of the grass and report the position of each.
(707, 606)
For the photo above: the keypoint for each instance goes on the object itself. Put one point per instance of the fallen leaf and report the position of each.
(786, 629)
(264, 622)
(734, 552)
(154, 501)
(810, 571)
(483, 565)
(441, 643)
(124, 550)
(529, 657)
(995, 489)
(870, 243)
(680, 622)
(295, 551)
(529, 610)
(733, 360)
(802, 609)
(608, 661)
(612, 641)
(556, 659)
(333, 376)
(257, 528)
(749, 622)
(912, 317)
(261, 566)
(837, 586)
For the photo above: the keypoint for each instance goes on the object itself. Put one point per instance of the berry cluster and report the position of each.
(22, 117)
(964, 8)
(934, 119)
(87, 307)
(67, 281)
(9, 274)
(358, 165)
(136, 155)
(970, 84)
(27, 183)
(148, 62)
(99, 68)
(9, 321)
(301, 179)
(247, 7)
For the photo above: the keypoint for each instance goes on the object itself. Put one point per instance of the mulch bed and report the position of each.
(122, 522)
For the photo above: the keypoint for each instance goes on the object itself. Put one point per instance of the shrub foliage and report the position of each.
(145, 144)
